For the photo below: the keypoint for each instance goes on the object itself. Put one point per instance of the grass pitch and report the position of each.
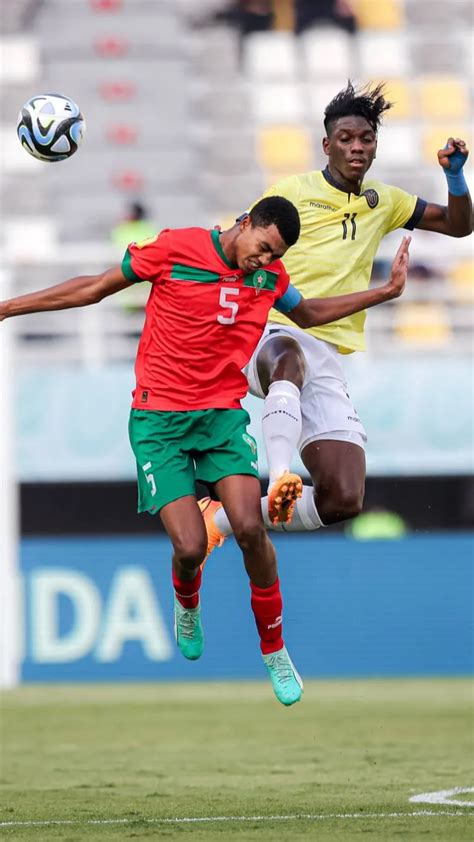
(134, 758)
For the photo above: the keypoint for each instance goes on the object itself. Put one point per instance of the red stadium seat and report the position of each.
(117, 91)
(122, 134)
(105, 5)
(111, 46)
(128, 180)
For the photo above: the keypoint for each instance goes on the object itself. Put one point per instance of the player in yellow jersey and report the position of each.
(344, 216)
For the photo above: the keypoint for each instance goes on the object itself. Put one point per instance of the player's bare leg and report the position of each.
(184, 524)
(240, 496)
(337, 470)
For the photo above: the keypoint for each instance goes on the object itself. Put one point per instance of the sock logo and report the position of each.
(278, 622)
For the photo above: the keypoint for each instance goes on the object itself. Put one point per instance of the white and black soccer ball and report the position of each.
(51, 127)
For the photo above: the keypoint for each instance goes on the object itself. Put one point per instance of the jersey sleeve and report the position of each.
(144, 260)
(406, 210)
(289, 300)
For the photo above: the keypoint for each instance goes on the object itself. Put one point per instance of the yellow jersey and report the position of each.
(340, 235)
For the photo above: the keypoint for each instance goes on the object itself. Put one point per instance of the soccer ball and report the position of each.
(50, 127)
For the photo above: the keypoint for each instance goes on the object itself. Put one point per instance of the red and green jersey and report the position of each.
(204, 319)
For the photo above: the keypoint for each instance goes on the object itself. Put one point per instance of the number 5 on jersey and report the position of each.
(227, 303)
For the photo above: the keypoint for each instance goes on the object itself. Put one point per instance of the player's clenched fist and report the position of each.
(448, 158)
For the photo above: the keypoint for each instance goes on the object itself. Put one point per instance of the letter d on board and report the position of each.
(48, 644)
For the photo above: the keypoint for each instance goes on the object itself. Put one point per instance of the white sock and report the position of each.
(281, 426)
(305, 516)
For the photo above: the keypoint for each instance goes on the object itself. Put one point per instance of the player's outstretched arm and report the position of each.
(77, 292)
(311, 312)
(455, 218)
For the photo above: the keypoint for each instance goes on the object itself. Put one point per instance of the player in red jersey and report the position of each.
(210, 296)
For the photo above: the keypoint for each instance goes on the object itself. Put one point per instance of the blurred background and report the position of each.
(193, 108)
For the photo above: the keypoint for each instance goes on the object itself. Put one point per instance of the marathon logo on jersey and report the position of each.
(321, 206)
(230, 279)
(372, 197)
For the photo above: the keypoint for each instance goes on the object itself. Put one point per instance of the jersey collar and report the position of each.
(332, 181)
(220, 251)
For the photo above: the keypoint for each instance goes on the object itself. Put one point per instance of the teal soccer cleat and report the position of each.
(287, 684)
(188, 630)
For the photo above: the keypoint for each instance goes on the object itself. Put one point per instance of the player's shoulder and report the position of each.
(291, 186)
(183, 235)
(372, 188)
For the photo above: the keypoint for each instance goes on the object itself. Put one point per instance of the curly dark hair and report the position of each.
(276, 210)
(366, 102)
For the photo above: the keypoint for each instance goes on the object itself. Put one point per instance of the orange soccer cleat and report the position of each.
(215, 538)
(282, 497)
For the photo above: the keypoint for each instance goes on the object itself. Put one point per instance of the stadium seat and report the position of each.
(382, 14)
(119, 91)
(399, 147)
(278, 103)
(284, 149)
(461, 278)
(443, 97)
(111, 46)
(440, 53)
(422, 324)
(434, 137)
(122, 134)
(19, 60)
(29, 238)
(15, 159)
(105, 5)
(327, 53)
(383, 55)
(270, 55)
(128, 180)
(400, 93)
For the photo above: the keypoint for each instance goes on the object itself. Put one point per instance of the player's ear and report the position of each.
(326, 145)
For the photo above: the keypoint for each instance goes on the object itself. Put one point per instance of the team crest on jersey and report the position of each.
(372, 197)
(259, 280)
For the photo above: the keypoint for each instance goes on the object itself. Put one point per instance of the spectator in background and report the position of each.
(135, 227)
(310, 13)
(248, 15)
(377, 524)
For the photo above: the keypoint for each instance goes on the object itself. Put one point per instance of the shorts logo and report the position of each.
(251, 442)
(259, 280)
(372, 197)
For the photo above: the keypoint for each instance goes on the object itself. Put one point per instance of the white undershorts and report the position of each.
(326, 408)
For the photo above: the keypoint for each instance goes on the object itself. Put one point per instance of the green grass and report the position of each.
(148, 752)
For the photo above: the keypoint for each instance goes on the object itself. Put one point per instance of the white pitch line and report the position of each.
(444, 797)
(202, 819)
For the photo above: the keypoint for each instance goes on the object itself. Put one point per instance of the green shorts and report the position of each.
(174, 449)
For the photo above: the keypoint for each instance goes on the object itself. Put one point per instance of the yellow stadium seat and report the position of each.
(443, 97)
(462, 280)
(434, 137)
(401, 94)
(380, 14)
(284, 149)
(422, 324)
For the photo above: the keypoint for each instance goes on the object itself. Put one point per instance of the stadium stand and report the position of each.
(197, 120)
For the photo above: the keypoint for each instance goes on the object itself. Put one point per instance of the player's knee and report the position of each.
(343, 503)
(281, 359)
(189, 552)
(250, 534)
